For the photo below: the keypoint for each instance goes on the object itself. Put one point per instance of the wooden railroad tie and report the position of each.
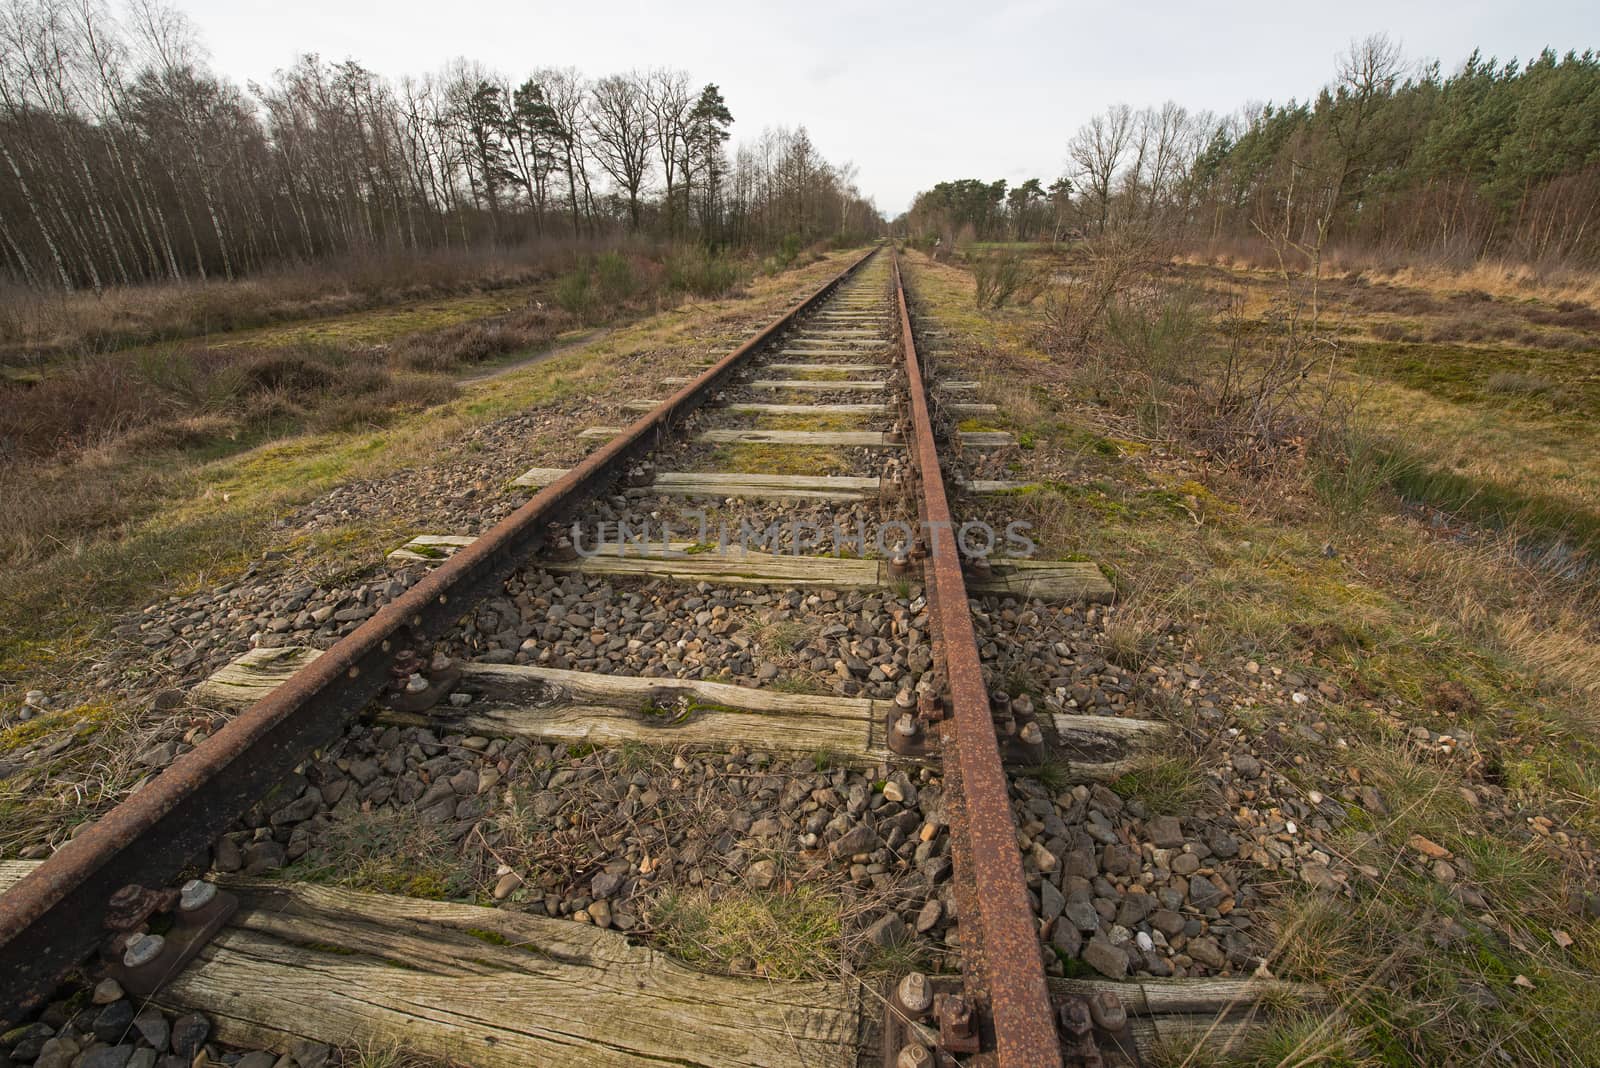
(494, 988)
(834, 488)
(556, 705)
(1044, 580)
(868, 439)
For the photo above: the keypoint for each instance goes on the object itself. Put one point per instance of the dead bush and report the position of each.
(78, 405)
(451, 348)
(1111, 262)
(1569, 313)
(1399, 332)
(1518, 382)
(53, 509)
(1004, 278)
(290, 372)
(1386, 299)
(380, 400)
(1253, 401)
(1523, 384)
(1459, 328)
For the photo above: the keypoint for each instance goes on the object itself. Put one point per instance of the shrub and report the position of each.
(575, 294)
(1004, 276)
(705, 274)
(81, 404)
(789, 249)
(291, 372)
(1157, 335)
(614, 278)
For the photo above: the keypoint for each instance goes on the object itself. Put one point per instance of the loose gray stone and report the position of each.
(226, 857)
(888, 932)
(1120, 860)
(309, 1054)
(1081, 862)
(106, 1057)
(1206, 951)
(1105, 958)
(1134, 908)
(1051, 901)
(152, 1025)
(55, 1053)
(1204, 894)
(762, 874)
(189, 1033)
(264, 856)
(1166, 832)
(1067, 938)
(858, 839)
(114, 1021)
(1082, 915)
(26, 1042)
(1167, 922)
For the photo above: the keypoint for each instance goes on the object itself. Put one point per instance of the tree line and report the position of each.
(124, 158)
(1493, 158)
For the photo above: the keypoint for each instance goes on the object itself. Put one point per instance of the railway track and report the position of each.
(793, 496)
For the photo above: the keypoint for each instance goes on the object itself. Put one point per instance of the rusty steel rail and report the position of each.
(51, 920)
(1008, 955)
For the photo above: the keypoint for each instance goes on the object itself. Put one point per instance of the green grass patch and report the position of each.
(786, 935)
(1169, 787)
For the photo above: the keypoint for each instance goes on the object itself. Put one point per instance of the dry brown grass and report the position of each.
(1504, 279)
(35, 325)
(1491, 277)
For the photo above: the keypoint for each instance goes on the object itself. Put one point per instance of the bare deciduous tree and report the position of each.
(1097, 152)
(669, 101)
(619, 115)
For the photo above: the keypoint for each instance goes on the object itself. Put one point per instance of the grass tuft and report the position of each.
(784, 935)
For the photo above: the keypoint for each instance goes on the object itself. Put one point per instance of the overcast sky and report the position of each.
(911, 93)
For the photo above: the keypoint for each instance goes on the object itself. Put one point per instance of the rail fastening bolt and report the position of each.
(143, 950)
(916, 993)
(196, 894)
(913, 1055)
